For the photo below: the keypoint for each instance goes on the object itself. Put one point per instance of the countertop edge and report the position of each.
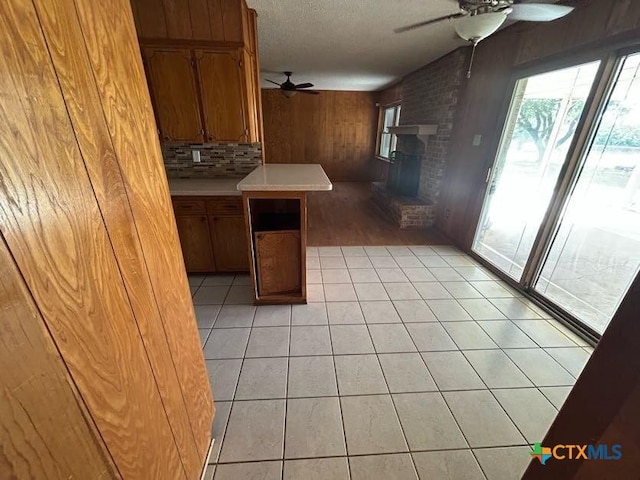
(287, 188)
(229, 193)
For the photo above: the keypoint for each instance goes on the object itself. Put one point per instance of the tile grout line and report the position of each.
(445, 402)
(323, 457)
(233, 397)
(286, 395)
(393, 403)
(531, 348)
(480, 377)
(488, 388)
(335, 372)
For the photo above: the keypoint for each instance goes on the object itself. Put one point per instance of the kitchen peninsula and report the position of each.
(257, 224)
(274, 199)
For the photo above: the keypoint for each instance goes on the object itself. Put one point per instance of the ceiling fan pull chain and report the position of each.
(473, 54)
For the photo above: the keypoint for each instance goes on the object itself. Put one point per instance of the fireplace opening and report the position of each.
(404, 174)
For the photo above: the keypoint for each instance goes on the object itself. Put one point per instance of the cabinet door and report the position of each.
(195, 241)
(279, 263)
(222, 88)
(173, 89)
(229, 241)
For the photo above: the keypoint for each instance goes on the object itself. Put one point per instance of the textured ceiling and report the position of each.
(350, 44)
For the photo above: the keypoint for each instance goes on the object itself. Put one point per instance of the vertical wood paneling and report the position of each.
(178, 18)
(591, 22)
(66, 45)
(334, 129)
(208, 20)
(216, 20)
(37, 401)
(150, 18)
(232, 20)
(200, 19)
(129, 117)
(53, 226)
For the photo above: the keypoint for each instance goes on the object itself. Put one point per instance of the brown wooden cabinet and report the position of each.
(204, 94)
(202, 68)
(229, 243)
(172, 84)
(276, 226)
(194, 234)
(212, 234)
(222, 88)
(278, 262)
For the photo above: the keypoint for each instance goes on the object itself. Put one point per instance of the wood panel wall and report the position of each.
(335, 129)
(85, 216)
(594, 24)
(207, 20)
(36, 398)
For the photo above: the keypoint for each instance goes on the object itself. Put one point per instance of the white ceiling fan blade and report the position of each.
(539, 12)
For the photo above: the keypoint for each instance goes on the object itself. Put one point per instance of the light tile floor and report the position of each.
(407, 363)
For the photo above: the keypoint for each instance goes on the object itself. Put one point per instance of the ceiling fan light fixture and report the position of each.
(478, 27)
(289, 93)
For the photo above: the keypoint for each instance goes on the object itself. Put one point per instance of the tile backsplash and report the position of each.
(216, 160)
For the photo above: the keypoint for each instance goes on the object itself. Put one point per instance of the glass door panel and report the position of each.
(542, 121)
(595, 254)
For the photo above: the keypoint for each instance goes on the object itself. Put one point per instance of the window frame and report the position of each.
(610, 56)
(382, 110)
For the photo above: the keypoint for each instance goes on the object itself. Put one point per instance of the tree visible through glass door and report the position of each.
(544, 113)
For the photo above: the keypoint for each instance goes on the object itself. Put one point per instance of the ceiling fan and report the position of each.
(289, 89)
(477, 19)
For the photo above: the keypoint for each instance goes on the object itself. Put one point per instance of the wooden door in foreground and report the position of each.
(90, 259)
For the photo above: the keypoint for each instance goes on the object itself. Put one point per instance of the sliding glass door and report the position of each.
(542, 121)
(595, 253)
(562, 218)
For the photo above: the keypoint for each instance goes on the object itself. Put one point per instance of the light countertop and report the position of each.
(286, 177)
(203, 186)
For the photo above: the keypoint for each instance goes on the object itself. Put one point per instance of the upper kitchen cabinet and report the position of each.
(202, 66)
(208, 20)
(172, 85)
(224, 106)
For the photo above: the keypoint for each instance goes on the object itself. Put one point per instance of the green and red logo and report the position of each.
(576, 452)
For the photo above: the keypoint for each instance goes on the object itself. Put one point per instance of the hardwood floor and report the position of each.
(347, 216)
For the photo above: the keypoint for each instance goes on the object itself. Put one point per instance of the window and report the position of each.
(390, 117)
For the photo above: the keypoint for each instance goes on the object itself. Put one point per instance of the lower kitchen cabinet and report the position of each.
(193, 231)
(212, 234)
(229, 241)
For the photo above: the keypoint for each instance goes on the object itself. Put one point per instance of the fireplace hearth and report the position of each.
(405, 212)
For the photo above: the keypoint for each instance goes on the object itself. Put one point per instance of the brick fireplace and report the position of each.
(398, 196)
